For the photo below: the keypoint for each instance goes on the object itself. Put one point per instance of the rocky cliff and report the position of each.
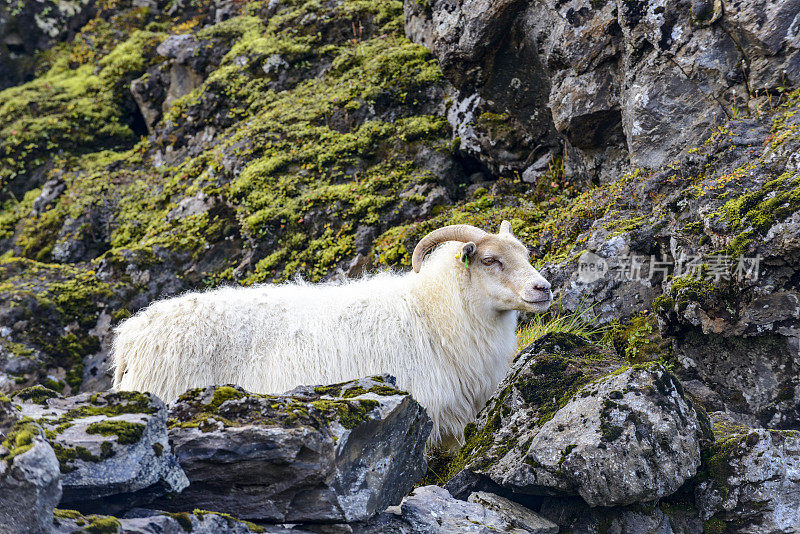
(647, 152)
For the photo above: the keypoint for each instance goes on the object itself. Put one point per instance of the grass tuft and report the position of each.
(579, 322)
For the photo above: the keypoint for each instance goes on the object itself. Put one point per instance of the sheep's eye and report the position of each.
(490, 261)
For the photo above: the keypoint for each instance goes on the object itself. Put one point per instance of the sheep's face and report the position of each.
(500, 269)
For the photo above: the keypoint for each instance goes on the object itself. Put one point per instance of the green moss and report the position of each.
(662, 304)
(66, 514)
(386, 391)
(353, 392)
(102, 525)
(183, 519)
(224, 394)
(158, 449)
(438, 461)
(624, 225)
(687, 288)
(67, 455)
(638, 339)
(349, 414)
(71, 108)
(35, 394)
(714, 526)
(750, 216)
(231, 520)
(111, 404)
(332, 391)
(19, 440)
(127, 433)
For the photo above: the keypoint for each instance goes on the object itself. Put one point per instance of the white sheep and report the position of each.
(446, 331)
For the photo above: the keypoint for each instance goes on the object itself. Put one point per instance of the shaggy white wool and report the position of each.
(439, 337)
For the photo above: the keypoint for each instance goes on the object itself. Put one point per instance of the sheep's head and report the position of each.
(498, 264)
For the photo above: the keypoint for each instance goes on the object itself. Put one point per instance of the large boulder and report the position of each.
(751, 479)
(431, 509)
(30, 481)
(571, 419)
(336, 453)
(112, 448)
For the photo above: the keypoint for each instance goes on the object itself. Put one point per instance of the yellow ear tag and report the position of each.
(458, 256)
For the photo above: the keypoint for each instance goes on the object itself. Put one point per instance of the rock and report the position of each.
(516, 514)
(752, 479)
(462, 34)
(112, 447)
(614, 439)
(30, 481)
(194, 205)
(755, 376)
(181, 47)
(149, 92)
(431, 509)
(620, 290)
(488, 132)
(576, 517)
(164, 83)
(51, 190)
(337, 453)
(151, 522)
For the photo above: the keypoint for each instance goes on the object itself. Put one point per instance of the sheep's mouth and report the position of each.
(537, 301)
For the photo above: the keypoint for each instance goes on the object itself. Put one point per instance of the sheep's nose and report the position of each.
(544, 285)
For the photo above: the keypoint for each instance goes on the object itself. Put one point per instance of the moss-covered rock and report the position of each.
(544, 377)
(242, 451)
(569, 418)
(30, 485)
(747, 480)
(112, 448)
(70, 521)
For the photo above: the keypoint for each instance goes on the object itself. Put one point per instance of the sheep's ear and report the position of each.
(505, 227)
(468, 252)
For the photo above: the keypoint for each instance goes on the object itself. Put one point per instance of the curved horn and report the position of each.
(455, 232)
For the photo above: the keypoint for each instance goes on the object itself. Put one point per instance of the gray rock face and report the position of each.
(622, 438)
(575, 516)
(756, 376)
(623, 82)
(30, 481)
(431, 509)
(516, 514)
(327, 454)
(112, 448)
(752, 479)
